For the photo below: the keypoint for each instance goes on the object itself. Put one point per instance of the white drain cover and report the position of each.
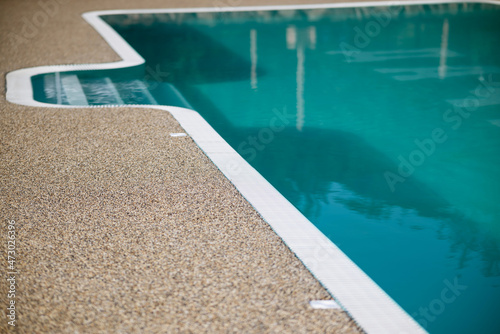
(324, 304)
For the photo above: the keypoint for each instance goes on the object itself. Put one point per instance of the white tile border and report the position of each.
(362, 298)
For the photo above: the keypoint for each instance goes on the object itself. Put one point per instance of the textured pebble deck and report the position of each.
(122, 228)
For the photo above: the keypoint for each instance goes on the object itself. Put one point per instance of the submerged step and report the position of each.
(101, 91)
(82, 89)
(72, 89)
(135, 92)
(113, 90)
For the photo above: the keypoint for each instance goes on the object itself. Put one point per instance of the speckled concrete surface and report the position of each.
(122, 228)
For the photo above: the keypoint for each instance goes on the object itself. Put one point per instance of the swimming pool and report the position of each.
(381, 125)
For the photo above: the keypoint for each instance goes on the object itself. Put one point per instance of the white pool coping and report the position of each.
(357, 293)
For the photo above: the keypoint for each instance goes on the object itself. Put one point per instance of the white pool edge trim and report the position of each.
(362, 298)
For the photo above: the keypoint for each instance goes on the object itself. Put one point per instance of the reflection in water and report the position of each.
(291, 37)
(293, 44)
(385, 55)
(253, 58)
(304, 167)
(300, 87)
(444, 50)
(311, 30)
(422, 73)
(300, 40)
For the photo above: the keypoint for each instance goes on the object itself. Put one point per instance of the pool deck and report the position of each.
(121, 227)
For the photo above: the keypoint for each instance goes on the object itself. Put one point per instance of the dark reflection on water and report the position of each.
(186, 54)
(305, 165)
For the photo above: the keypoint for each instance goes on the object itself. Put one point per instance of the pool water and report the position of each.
(380, 124)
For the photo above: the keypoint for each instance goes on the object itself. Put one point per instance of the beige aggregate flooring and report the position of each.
(122, 228)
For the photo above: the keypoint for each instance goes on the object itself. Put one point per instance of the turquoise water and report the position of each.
(381, 125)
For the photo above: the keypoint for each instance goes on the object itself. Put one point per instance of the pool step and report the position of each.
(73, 90)
(135, 92)
(111, 87)
(101, 91)
(81, 90)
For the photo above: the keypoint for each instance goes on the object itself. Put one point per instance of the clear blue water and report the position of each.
(381, 125)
